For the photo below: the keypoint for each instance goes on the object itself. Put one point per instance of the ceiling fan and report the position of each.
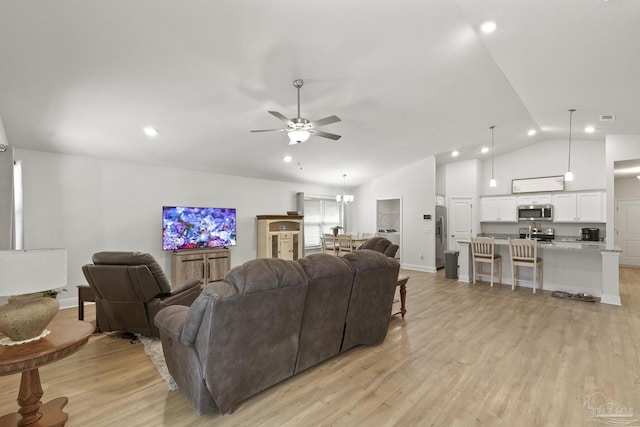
(300, 129)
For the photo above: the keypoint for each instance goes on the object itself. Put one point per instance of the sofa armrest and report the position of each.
(206, 301)
(181, 287)
(171, 320)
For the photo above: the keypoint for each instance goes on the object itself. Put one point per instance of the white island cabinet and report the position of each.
(498, 209)
(573, 267)
(578, 207)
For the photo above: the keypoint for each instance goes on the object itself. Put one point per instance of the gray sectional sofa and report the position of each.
(270, 319)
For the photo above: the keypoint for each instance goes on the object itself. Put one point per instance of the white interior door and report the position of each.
(460, 220)
(628, 231)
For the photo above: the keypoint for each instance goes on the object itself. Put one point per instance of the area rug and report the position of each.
(153, 348)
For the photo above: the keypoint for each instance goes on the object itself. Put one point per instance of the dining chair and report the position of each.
(345, 244)
(524, 253)
(329, 243)
(483, 252)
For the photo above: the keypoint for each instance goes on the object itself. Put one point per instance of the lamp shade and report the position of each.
(34, 270)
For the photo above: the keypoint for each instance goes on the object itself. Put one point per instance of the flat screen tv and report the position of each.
(197, 228)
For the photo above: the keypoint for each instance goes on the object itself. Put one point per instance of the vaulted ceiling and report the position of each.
(409, 79)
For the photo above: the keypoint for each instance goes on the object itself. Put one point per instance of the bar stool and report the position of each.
(483, 252)
(524, 253)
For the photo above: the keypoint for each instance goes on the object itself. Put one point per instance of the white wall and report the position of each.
(88, 205)
(461, 178)
(548, 158)
(415, 185)
(618, 147)
(627, 188)
(441, 180)
(462, 181)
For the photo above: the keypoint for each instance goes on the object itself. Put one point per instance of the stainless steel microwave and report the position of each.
(535, 213)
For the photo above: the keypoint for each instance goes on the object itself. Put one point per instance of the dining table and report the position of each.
(329, 242)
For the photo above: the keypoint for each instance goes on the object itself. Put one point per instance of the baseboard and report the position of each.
(611, 299)
(423, 268)
(68, 302)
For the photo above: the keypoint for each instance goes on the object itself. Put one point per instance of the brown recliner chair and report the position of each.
(131, 288)
(380, 244)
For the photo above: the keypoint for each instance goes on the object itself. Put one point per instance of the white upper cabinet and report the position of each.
(578, 207)
(537, 199)
(498, 209)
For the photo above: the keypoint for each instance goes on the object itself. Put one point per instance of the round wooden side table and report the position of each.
(66, 337)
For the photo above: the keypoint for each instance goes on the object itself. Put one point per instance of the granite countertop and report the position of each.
(568, 245)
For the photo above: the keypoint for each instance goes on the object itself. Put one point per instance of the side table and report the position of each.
(66, 337)
(86, 294)
(402, 283)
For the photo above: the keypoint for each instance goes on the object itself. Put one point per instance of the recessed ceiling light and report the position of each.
(485, 150)
(532, 132)
(488, 27)
(455, 153)
(287, 158)
(589, 129)
(151, 132)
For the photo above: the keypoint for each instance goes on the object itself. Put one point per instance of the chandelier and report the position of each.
(344, 198)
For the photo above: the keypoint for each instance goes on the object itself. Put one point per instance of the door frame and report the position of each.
(450, 243)
(616, 237)
(400, 221)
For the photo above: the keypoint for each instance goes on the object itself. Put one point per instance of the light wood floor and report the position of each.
(465, 355)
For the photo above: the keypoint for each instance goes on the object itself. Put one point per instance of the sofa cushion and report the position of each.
(263, 274)
(330, 280)
(249, 341)
(374, 285)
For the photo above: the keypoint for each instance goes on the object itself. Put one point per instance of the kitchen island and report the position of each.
(587, 267)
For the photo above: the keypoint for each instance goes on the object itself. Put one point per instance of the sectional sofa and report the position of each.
(270, 319)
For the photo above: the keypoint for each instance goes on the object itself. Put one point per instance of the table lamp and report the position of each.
(24, 276)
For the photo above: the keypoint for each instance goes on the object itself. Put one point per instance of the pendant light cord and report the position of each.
(344, 184)
(570, 122)
(492, 176)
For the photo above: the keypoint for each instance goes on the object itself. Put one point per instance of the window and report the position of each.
(320, 216)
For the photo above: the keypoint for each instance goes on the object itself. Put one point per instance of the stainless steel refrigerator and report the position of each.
(441, 235)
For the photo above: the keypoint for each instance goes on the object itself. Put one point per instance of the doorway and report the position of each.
(460, 220)
(389, 221)
(628, 231)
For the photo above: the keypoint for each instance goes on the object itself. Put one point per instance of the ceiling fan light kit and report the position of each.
(300, 129)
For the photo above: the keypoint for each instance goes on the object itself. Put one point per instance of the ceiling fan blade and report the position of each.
(269, 130)
(282, 117)
(325, 121)
(326, 134)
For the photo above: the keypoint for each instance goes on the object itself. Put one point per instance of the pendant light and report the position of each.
(492, 181)
(344, 198)
(569, 175)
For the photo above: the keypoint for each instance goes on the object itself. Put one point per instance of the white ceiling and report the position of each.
(409, 79)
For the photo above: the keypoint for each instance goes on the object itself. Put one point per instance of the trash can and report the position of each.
(451, 264)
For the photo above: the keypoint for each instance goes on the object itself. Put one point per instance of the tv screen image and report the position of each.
(197, 228)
